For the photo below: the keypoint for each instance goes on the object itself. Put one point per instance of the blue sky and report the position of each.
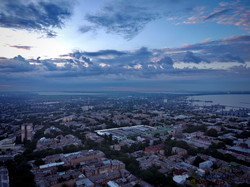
(154, 45)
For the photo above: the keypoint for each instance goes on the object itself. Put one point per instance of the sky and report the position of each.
(125, 45)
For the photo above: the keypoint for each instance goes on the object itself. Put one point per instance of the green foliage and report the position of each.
(137, 146)
(169, 144)
(168, 150)
(137, 185)
(61, 179)
(90, 144)
(62, 168)
(154, 177)
(108, 139)
(39, 162)
(214, 146)
(227, 141)
(20, 174)
(212, 132)
(243, 135)
(197, 161)
(71, 148)
(157, 135)
(193, 128)
(65, 185)
(29, 145)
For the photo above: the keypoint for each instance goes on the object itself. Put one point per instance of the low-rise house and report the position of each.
(179, 151)
(206, 165)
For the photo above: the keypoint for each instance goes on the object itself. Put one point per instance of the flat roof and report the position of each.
(51, 165)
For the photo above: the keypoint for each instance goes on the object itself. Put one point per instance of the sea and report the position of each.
(228, 100)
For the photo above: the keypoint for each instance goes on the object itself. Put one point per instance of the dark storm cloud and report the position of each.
(25, 47)
(126, 19)
(217, 14)
(34, 15)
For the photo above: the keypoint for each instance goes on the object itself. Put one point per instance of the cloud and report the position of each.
(21, 47)
(19, 58)
(223, 58)
(50, 66)
(190, 57)
(236, 46)
(121, 17)
(41, 15)
(17, 64)
(129, 18)
(216, 14)
(223, 3)
(242, 69)
(166, 63)
(85, 29)
(231, 13)
(50, 34)
(230, 58)
(98, 53)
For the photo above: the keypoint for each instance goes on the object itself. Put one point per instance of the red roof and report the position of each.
(154, 148)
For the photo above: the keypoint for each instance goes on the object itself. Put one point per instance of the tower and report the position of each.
(26, 131)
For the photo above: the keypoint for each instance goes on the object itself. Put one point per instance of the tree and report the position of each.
(61, 168)
(157, 135)
(137, 185)
(197, 161)
(193, 128)
(228, 141)
(39, 162)
(212, 132)
(154, 177)
(168, 150)
(244, 134)
(65, 185)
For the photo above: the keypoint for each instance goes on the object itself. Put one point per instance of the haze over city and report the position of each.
(142, 45)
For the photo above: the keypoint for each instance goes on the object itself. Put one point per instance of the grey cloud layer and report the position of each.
(141, 63)
(190, 57)
(38, 15)
(112, 67)
(233, 49)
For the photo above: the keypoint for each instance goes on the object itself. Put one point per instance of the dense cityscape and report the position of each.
(121, 139)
